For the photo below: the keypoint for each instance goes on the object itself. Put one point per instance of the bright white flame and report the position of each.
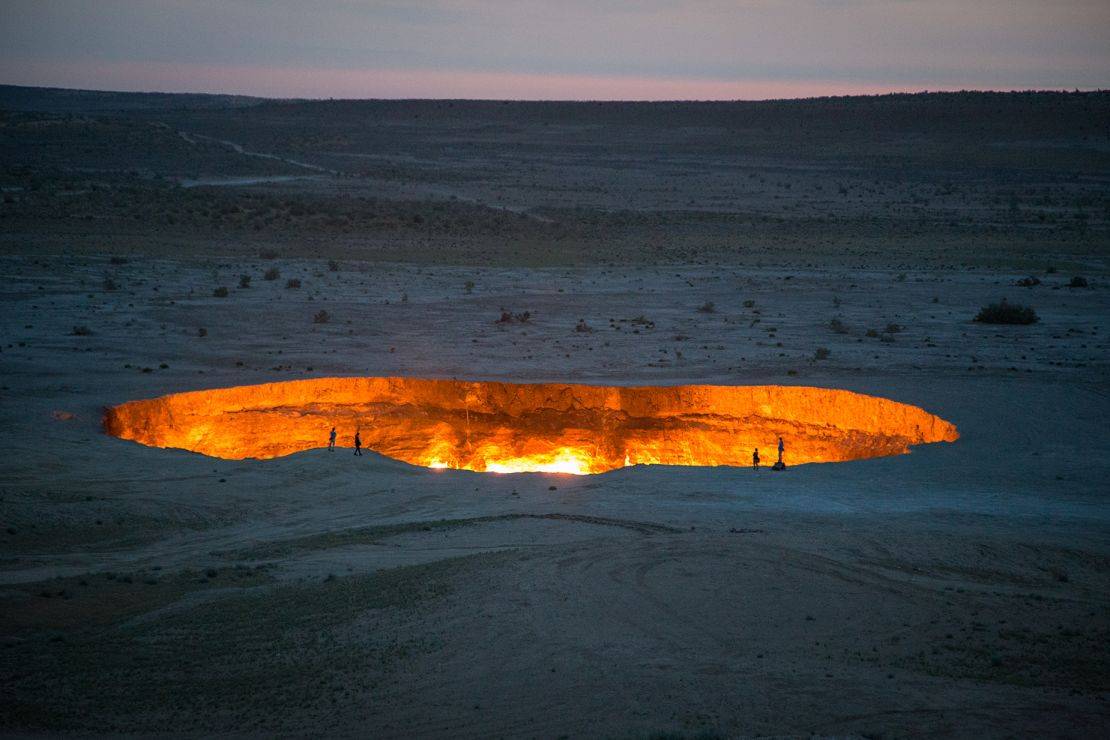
(565, 461)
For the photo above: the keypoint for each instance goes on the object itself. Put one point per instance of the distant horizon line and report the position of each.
(416, 98)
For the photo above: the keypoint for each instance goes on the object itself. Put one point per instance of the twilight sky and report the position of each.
(565, 49)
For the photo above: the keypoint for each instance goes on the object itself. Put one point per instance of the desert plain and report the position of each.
(961, 589)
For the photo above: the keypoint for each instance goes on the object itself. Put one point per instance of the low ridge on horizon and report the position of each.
(800, 98)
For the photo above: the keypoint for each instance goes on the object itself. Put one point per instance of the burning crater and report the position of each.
(548, 427)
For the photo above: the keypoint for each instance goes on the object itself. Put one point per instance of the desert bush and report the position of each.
(838, 326)
(321, 317)
(220, 292)
(272, 274)
(871, 333)
(202, 332)
(82, 331)
(749, 304)
(893, 328)
(1028, 282)
(468, 287)
(582, 326)
(707, 307)
(821, 353)
(1006, 313)
(508, 317)
(293, 283)
(244, 281)
(1078, 282)
(333, 265)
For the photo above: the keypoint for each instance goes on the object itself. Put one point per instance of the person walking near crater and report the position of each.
(358, 443)
(781, 448)
(755, 459)
(331, 440)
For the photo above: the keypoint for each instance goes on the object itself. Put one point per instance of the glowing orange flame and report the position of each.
(550, 427)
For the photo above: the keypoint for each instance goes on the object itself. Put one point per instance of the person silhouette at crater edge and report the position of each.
(358, 444)
(755, 459)
(780, 465)
(331, 440)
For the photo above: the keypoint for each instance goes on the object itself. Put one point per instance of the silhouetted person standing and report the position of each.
(358, 444)
(780, 465)
(755, 459)
(331, 440)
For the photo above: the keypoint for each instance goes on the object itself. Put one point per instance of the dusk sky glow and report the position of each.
(573, 49)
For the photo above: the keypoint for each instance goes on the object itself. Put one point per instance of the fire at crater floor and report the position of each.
(537, 427)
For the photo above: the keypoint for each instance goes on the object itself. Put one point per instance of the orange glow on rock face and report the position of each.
(545, 427)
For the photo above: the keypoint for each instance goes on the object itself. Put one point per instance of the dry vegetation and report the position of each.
(891, 182)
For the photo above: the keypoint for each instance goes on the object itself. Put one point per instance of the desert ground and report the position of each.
(962, 589)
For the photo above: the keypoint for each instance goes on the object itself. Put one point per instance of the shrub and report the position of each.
(202, 332)
(220, 292)
(333, 265)
(707, 307)
(838, 326)
(893, 328)
(321, 317)
(1006, 313)
(1028, 282)
(583, 326)
(468, 287)
(821, 353)
(272, 274)
(293, 283)
(82, 331)
(508, 317)
(244, 281)
(749, 304)
(1078, 282)
(872, 333)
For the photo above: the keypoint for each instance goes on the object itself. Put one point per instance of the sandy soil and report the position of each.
(961, 590)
